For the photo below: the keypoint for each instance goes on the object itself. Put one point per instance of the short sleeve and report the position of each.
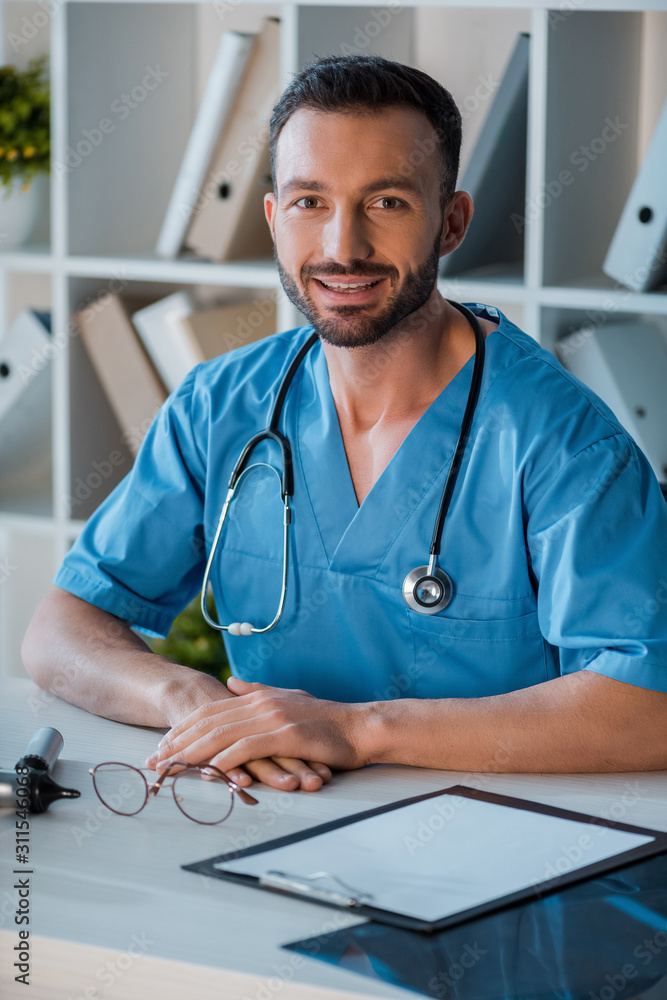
(597, 540)
(141, 556)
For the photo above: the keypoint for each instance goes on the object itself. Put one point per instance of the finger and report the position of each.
(201, 744)
(253, 746)
(325, 773)
(201, 730)
(309, 779)
(193, 718)
(271, 773)
(240, 776)
(238, 686)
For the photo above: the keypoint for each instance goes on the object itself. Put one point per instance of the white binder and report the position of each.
(217, 102)
(625, 364)
(160, 328)
(26, 352)
(637, 255)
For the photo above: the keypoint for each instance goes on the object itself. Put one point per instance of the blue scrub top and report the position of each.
(556, 538)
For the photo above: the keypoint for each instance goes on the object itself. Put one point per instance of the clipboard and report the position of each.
(438, 859)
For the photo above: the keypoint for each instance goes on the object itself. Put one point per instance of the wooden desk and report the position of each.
(114, 915)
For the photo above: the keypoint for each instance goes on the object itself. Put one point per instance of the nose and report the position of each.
(345, 238)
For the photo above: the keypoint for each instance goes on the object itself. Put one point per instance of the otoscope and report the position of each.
(31, 778)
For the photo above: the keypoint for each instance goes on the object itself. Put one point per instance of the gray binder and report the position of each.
(496, 179)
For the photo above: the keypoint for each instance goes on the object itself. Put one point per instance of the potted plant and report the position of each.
(24, 148)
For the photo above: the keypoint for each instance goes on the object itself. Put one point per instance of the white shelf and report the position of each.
(242, 274)
(35, 259)
(588, 60)
(555, 5)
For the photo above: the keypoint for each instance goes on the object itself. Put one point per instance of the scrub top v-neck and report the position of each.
(347, 529)
(555, 539)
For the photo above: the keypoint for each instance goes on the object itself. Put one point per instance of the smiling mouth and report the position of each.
(350, 287)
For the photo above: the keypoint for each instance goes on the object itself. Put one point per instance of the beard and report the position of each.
(349, 327)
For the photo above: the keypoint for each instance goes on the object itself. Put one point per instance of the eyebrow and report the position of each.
(301, 183)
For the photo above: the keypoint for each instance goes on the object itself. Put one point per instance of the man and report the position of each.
(552, 654)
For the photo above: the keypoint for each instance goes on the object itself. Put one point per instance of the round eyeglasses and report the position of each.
(124, 790)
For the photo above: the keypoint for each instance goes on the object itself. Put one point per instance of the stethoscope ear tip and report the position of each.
(240, 628)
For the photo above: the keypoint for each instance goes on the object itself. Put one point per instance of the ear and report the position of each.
(270, 212)
(457, 217)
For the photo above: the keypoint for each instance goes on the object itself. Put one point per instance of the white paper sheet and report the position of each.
(443, 855)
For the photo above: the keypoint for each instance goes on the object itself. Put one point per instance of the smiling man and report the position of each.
(550, 651)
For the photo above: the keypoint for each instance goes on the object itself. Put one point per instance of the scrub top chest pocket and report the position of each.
(464, 658)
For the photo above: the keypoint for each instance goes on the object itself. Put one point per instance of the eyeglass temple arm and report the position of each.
(243, 795)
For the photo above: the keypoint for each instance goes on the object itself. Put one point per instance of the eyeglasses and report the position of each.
(124, 790)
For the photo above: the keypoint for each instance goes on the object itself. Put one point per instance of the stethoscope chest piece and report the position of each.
(428, 590)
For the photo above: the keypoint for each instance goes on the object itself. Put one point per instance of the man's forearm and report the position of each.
(95, 661)
(581, 722)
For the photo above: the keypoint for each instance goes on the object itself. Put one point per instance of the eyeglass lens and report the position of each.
(203, 801)
(124, 790)
(121, 788)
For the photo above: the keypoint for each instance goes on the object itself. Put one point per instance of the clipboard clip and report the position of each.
(299, 886)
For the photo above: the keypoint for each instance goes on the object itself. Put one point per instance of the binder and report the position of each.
(439, 859)
(495, 177)
(625, 364)
(26, 352)
(637, 255)
(159, 326)
(126, 374)
(212, 332)
(214, 110)
(229, 221)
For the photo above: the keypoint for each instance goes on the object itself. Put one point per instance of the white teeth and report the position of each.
(347, 286)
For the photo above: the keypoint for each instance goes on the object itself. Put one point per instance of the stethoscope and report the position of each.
(427, 589)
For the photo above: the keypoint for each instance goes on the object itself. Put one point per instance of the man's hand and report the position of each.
(267, 722)
(285, 773)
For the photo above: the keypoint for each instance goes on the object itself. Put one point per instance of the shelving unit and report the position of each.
(589, 61)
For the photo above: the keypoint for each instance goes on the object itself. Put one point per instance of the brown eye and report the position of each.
(311, 202)
(387, 201)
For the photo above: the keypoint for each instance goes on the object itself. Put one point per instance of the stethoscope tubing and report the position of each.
(430, 573)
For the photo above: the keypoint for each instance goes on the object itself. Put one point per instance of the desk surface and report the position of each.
(113, 913)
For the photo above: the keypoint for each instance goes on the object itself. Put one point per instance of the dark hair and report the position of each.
(359, 83)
